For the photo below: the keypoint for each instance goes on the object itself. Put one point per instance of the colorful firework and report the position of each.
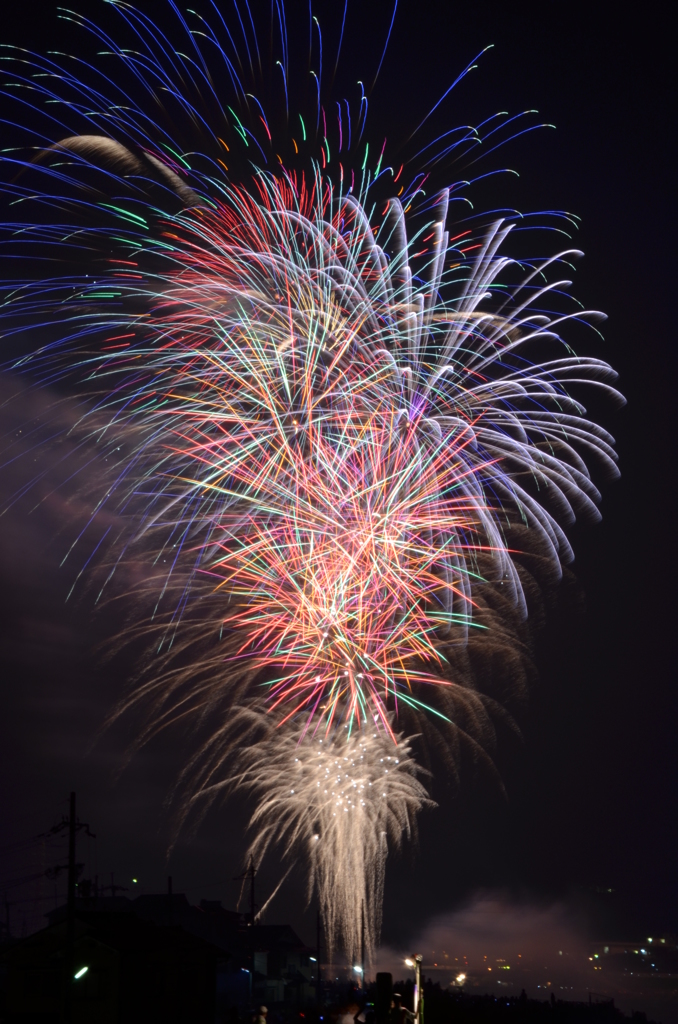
(324, 419)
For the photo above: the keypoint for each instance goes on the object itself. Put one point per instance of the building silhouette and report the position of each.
(156, 957)
(127, 969)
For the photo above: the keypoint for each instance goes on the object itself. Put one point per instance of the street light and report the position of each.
(415, 961)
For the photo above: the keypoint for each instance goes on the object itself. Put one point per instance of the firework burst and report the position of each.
(326, 421)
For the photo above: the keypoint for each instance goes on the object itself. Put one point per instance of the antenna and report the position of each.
(250, 872)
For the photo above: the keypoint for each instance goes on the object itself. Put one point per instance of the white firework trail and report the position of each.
(339, 803)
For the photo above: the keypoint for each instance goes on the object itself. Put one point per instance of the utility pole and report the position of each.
(70, 910)
(115, 888)
(418, 990)
(249, 872)
(73, 826)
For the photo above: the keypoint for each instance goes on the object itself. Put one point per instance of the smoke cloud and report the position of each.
(496, 944)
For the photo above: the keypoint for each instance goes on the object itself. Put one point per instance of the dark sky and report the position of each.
(591, 791)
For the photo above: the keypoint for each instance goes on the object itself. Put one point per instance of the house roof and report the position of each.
(222, 928)
(124, 932)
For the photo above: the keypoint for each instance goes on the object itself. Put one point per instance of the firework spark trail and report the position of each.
(338, 803)
(345, 484)
(323, 412)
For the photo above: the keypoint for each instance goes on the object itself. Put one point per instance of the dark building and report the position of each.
(282, 969)
(127, 970)
(263, 963)
(156, 957)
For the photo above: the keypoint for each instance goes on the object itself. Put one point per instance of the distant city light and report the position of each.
(358, 970)
(313, 959)
(83, 970)
(135, 880)
(460, 979)
(410, 963)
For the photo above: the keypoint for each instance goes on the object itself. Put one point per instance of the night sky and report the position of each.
(590, 801)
